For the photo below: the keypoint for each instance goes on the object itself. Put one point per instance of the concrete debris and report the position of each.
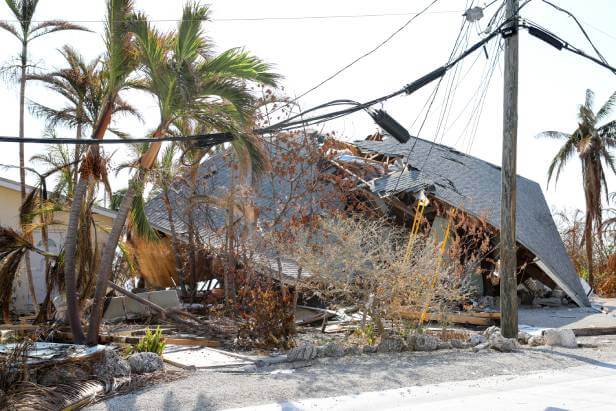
(352, 350)
(111, 365)
(391, 344)
(331, 350)
(536, 341)
(523, 337)
(477, 339)
(305, 352)
(499, 343)
(459, 344)
(560, 338)
(491, 330)
(444, 345)
(370, 349)
(145, 362)
(481, 346)
(422, 342)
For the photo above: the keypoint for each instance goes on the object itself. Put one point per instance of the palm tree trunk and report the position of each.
(70, 246)
(588, 241)
(22, 97)
(105, 266)
(22, 163)
(174, 242)
(78, 135)
(106, 262)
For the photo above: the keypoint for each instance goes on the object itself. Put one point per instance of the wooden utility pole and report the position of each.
(508, 284)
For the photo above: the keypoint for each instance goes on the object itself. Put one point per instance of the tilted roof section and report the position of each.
(473, 185)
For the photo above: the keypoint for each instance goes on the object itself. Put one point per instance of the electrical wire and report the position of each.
(267, 18)
(206, 139)
(355, 61)
(567, 12)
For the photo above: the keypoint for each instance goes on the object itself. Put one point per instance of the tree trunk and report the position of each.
(78, 135)
(588, 241)
(174, 243)
(22, 163)
(106, 262)
(70, 246)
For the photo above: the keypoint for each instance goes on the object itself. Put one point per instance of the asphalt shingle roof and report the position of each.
(469, 183)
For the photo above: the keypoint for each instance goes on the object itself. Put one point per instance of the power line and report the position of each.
(366, 54)
(567, 12)
(267, 18)
(203, 140)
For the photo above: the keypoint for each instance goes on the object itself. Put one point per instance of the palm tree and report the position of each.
(593, 144)
(25, 31)
(188, 82)
(82, 85)
(119, 61)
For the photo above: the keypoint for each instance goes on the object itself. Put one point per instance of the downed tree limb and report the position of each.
(173, 313)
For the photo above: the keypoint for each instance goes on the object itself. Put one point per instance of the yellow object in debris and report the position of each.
(439, 259)
(419, 211)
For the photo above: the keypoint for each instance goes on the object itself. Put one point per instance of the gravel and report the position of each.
(326, 377)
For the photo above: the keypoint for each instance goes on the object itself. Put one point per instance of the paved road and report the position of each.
(578, 388)
(424, 377)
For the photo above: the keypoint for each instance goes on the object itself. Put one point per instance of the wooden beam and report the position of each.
(485, 319)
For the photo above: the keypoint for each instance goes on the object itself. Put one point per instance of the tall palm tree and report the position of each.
(119, 62)
(593, 143)
(82, 85)
(26, 31)
(188, 82)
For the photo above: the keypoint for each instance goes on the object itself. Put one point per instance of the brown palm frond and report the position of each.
(9, 264)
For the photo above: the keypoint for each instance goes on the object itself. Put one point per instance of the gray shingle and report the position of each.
(472, 184)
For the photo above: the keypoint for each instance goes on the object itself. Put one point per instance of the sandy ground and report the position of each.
(571, 317)
(328, 377)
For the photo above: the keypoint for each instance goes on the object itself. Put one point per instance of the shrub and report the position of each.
(151, 342)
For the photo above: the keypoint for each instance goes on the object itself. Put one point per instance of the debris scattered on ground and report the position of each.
(145, 362)
(560, 337)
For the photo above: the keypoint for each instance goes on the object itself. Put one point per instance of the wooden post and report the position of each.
(508, 285)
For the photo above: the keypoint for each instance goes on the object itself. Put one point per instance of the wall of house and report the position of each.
(10, 201)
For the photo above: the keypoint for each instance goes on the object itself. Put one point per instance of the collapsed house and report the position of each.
(390, 176)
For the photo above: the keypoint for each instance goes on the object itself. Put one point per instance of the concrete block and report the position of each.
(163, 298)
(115, 310)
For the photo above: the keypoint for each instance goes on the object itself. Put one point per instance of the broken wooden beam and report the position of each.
(594, 331)
(461, 317)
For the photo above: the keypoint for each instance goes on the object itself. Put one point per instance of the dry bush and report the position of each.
(362, 262)
(268, 315)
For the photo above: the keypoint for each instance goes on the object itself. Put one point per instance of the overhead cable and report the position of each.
(366, 54)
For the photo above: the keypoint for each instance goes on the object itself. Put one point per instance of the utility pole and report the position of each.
(508, 258)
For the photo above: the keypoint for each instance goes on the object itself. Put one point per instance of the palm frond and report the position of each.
(190, 39)
(139, 222)
(555, 135)
(561, 158)
(51, 26)
(11, 29)
(589, 100)
(607, 108)
(239, 64)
